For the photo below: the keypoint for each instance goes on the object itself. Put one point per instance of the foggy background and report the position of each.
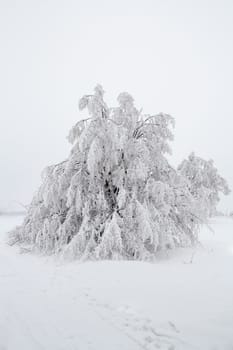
(172, 56)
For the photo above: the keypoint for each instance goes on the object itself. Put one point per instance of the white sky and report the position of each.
(172, 56)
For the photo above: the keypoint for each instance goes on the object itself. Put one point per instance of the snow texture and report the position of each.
(183, 301)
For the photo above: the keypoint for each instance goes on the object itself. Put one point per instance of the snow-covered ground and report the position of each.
(182, 301)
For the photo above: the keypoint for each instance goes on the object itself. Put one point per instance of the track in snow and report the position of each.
(173, 304)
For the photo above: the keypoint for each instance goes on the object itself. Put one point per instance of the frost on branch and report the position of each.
(204, 182)
(116, 196)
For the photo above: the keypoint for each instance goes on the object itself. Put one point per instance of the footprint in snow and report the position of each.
(140, 329)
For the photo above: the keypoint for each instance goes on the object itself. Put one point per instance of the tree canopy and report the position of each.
(117, 196)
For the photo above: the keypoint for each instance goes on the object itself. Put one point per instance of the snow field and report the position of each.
(182, 301)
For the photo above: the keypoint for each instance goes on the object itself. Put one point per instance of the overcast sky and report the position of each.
(172, 56)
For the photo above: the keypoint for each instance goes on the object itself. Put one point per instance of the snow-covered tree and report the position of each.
(205, 183)
(116, 196)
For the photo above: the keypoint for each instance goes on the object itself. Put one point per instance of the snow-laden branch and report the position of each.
(117, 196)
